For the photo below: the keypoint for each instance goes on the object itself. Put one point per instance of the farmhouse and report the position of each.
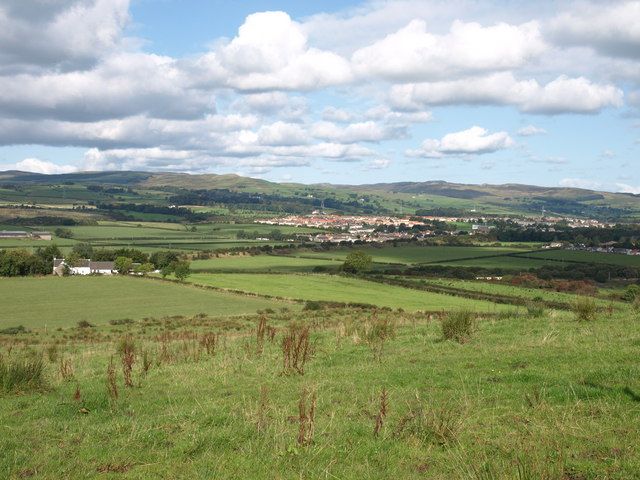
(83, 267)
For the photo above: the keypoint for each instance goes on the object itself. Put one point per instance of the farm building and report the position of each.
(83, 267)
(22, 234)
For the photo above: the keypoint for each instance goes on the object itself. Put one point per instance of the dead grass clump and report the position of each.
(127, 349)
(112, 385)
(306, 416)
(261, 330)
(382, 412)
(296, 349)
(208, 342)
(65, 368)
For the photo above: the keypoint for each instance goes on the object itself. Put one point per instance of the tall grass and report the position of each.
(459, 326)
(585, 309)
(21, 375)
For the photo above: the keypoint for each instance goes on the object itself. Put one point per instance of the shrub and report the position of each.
(85, 324)
(585, 309)
(631, 293)
(312, 306)
(21, 375)
(14, 330)
(458, 326)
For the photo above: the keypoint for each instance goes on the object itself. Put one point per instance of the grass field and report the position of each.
(495, 288)
(589, 257)
(340, 289)
(416, 254)
(524, 398)
(261, 263)
(62, 302)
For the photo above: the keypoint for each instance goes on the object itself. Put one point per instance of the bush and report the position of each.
(585, 309)
(14, 330)
(85, 324)
(458, 326)
(21, 375)
(312, 306)
(631, 293)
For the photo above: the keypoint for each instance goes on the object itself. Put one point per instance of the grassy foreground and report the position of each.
(528, 398)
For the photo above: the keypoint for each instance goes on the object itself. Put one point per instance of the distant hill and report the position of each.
(399, 197)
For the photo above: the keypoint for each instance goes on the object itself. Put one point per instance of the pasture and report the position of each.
(268, 263)
(417, 254)
(38, 302)
(333, 288)
(528, 398)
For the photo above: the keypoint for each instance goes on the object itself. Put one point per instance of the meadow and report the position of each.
(257, 263)
(333, 288)
(379, 395)
(418, 254)
(587, 257)
(54, 302)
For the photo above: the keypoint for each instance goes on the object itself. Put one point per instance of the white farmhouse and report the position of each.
(83, 267)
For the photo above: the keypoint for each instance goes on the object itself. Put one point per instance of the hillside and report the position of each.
(406, 197)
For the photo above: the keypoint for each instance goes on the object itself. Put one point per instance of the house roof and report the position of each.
(86, 263)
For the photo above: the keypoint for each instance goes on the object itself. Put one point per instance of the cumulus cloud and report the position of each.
(36, 165)
(562, 95)
(531, 130)
(63, 33)
(270, 52)
(473, 141)
(413, 53)
(611, 28)
(356, 132)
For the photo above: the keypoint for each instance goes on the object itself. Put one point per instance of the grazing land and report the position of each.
(332, 288)
(275, 263)
(545, 397)
(63, 302)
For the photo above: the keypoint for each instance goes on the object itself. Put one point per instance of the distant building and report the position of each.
(22, 234)
(83, 267)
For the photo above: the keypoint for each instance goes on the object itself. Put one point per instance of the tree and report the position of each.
(83, 250)
(181, 270)
(63, 232)
(123, 265)
(166, 270)
(357, 261)
(144, 268)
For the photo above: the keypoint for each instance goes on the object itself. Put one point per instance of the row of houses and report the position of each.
(19, 234)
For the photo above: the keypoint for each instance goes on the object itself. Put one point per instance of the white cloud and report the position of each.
(356, 132)
(531, 130)
(413, 54)
(378, 164)
(562, 95)
(61, 33)
(611, 28)
(473, 141)
(333, 114)
(36, 165)
(581, 183)
(281, 133)
(624, 188)
(271, 52)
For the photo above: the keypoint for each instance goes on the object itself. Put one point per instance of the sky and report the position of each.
(350, 92)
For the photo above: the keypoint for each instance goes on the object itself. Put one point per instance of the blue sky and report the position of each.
(359, 92)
